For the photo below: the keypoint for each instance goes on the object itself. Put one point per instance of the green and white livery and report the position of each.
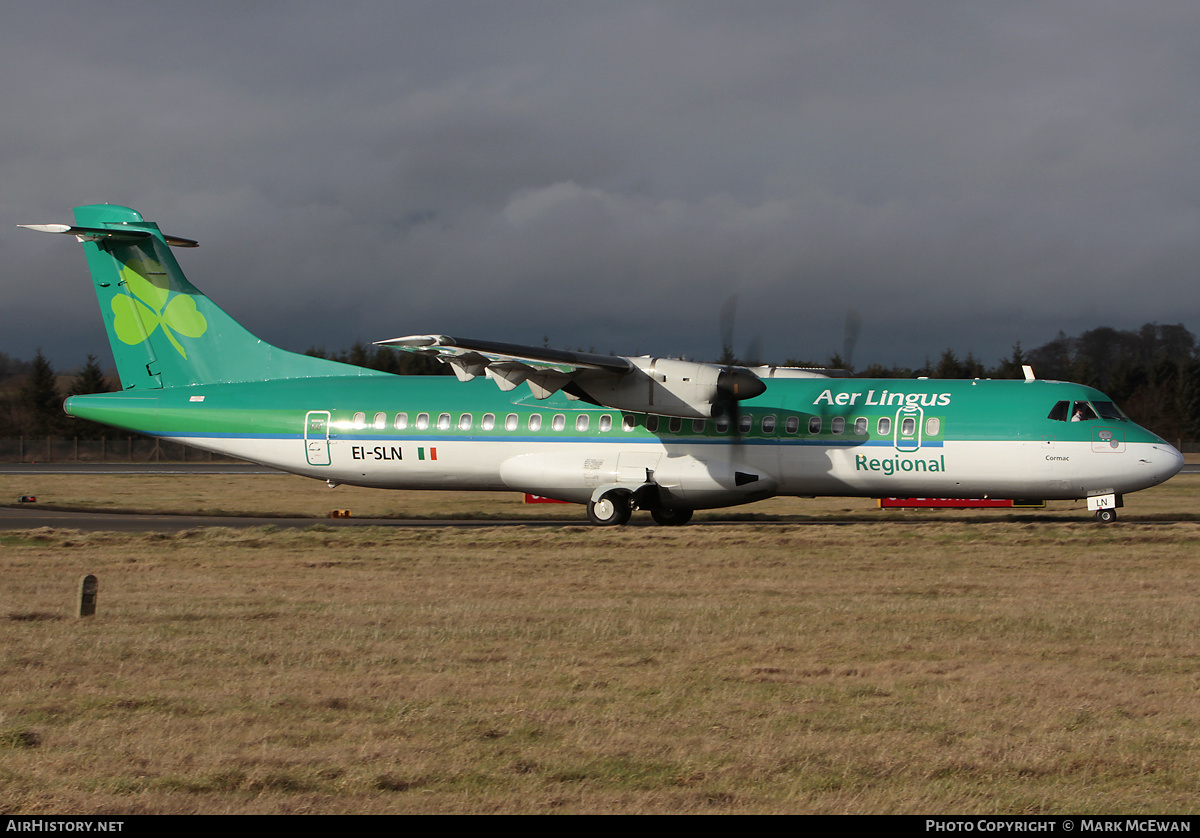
(614, 433)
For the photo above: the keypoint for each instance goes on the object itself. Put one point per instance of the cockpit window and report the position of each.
(1059, 412)
(1110, 411)
(1082, 412)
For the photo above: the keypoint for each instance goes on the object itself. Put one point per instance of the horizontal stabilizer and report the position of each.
(95, 234)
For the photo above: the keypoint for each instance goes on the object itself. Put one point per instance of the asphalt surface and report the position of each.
(30, 517)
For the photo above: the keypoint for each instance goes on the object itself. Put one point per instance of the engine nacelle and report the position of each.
(670, 387)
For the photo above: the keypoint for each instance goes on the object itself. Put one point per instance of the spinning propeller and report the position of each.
(734, 382)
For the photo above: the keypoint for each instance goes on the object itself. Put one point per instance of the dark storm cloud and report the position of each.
(607, 174)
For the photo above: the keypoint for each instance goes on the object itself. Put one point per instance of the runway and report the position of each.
(30, 517)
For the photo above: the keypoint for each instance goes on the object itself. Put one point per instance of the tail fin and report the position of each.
(164, 332)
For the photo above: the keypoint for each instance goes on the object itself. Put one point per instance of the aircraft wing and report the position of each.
(664, 386)
(509, 365)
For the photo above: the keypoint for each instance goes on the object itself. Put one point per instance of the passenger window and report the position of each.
(465, 421)
(443, 421)
(722, 424)
(511, 421)
(401, 421)
(745, 423)
(814, 424)
(676, 424)
(838, 424)
(605, 423)
(558, 422)
(860, 426)
(698, 425)
(422, 421)
(535, 422)
(652, 423)
(768, 424)
(884, 427)
(908, 426)
(933, 426)
(380, 421)
(359, 422)
(628, 422)
(581, 422)
(489, 421)
(792, 425)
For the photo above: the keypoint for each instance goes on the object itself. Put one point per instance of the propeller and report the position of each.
(728, 315)
(734, 383)
(850, 338)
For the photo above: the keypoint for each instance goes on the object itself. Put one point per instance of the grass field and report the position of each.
(912, 662)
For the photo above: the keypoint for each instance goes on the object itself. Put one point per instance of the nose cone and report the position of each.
(1172, 460)
(1158, 462)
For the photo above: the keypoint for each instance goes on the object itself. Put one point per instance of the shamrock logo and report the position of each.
(138, 316)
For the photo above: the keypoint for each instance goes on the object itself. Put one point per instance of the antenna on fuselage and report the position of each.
(1028, 370)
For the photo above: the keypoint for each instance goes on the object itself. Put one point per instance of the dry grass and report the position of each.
(1014, 667)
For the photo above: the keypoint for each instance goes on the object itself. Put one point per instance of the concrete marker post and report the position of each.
(88, 586)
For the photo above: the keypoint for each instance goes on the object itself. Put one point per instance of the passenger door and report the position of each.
(316, 437)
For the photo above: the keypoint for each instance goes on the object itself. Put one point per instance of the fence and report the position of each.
(125, 449)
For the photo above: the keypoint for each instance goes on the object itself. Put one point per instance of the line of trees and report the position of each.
(385, 359)
(1153, 373)
(32, 393)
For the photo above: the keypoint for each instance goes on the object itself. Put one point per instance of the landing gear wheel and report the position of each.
(671, 517)
(1106, 516)
(612, 510)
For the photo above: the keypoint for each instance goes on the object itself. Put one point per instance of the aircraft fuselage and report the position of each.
(804, 437)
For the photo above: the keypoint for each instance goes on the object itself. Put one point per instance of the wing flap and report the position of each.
(536, 357)
(546, 371)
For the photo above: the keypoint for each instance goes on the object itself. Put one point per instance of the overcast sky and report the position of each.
(606, 174)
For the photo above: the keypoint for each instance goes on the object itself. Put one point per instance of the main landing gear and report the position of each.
(671, 517)
(613, 509)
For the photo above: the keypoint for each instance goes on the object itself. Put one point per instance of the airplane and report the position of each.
(615, 433)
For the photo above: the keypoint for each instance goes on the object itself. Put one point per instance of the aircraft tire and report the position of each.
(1106, 516)
(612, 510)
(671, 517)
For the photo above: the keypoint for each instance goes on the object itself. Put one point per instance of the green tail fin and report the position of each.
(164, 332)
